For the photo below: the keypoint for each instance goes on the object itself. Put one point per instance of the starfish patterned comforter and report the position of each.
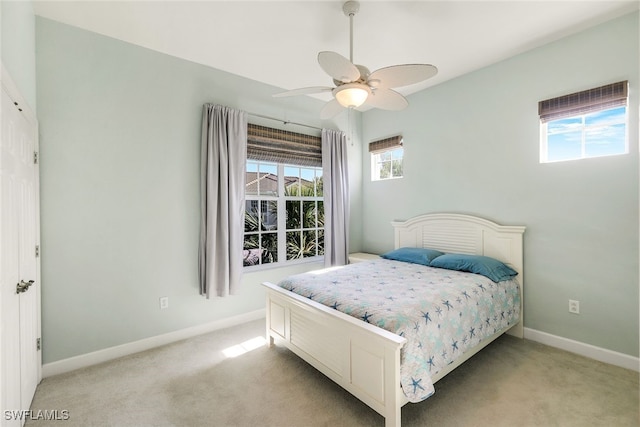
(442, 313)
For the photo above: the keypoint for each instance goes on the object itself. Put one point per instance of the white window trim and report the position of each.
(282, 222)
(544, 146)
(374, 165)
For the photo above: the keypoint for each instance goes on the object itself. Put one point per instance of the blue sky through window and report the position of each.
(601, 133)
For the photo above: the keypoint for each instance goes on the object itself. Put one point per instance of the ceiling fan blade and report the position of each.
(387, 99)
(303, 91)
(401, 75)
(338, 67)
(330, 109)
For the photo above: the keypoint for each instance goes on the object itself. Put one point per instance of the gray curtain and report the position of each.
(336, 197)
(222, 182)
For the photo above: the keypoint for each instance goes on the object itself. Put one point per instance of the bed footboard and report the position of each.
(361, 358)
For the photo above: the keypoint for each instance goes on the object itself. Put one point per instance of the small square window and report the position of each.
(387, 164)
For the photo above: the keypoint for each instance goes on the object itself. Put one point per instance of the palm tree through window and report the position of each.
(284, 213)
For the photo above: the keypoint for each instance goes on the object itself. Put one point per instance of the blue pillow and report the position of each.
(488, 267)
(422, 256)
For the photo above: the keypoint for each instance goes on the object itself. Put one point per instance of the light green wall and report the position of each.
(120, 146)
(119, 141)
(18, 46)
(471, 146)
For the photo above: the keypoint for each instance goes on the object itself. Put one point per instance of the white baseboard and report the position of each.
(587, 350)
(77, 362)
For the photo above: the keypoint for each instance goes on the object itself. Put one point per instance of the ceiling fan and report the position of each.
(356, 86)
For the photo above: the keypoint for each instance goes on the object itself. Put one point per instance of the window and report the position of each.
(586, 124)
(284, 211)
(386, 158)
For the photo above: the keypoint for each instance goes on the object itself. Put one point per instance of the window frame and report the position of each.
(281, 202)
(376, 162)
(584, 129)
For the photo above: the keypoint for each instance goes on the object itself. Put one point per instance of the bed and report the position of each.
(365, 359)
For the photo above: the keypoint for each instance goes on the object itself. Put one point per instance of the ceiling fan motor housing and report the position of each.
(364, 75)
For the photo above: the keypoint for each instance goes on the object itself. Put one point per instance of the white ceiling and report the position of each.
(277, 42)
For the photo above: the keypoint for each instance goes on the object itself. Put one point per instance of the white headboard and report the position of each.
(464, 234)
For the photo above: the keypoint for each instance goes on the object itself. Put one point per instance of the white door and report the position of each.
(19, 274)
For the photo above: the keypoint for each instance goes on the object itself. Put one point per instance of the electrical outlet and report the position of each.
(574, 306)
(164, 302)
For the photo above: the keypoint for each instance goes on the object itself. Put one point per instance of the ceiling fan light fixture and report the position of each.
(351, 95)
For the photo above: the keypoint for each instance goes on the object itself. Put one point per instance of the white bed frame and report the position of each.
(365, 359)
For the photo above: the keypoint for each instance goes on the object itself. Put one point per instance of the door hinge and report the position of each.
(37, 251)
(38, 343)
(35, 157)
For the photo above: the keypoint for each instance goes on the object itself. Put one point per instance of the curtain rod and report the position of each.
(286, 122)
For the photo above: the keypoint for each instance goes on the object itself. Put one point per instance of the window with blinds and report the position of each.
(386, 158)
(591, 123)
(284, 212)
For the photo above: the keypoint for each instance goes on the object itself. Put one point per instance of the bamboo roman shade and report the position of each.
(386, 144)
(600, 98)
(280, 146)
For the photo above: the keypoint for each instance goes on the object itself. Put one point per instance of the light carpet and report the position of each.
(512, 382)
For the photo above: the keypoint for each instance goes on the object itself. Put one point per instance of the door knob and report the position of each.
(23, 286)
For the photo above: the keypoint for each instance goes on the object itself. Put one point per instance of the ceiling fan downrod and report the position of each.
(350, 8)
